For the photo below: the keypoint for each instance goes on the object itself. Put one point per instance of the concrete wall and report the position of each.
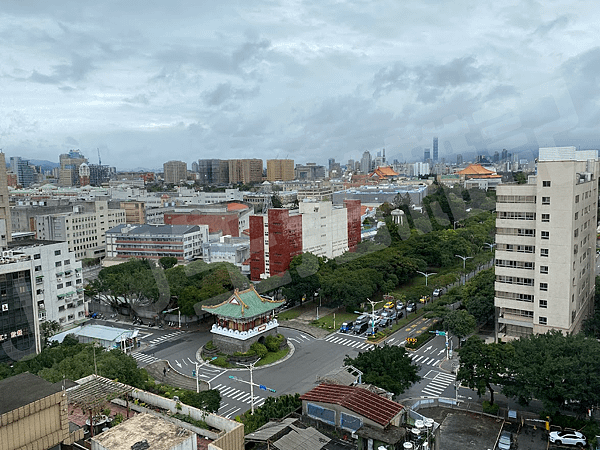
(231, 345)
(232, 440)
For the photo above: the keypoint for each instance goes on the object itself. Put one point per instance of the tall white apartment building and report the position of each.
(84, 229)
(545, 245)
(57, 280)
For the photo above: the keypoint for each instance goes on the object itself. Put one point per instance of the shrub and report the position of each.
(489, 408)
(273, 342)
(260, 350)
(209, 345)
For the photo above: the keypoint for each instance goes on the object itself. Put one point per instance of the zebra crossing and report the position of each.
(424, 360)
(232, 394)
(438, 383)
(353, 343)
(166, 337)
(143, 358)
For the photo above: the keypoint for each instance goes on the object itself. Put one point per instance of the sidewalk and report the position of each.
(303, 322)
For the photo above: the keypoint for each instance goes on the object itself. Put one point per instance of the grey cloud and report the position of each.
(430, 81)
(76, 71)
(138, 99)
(545, 28)
(225, 92)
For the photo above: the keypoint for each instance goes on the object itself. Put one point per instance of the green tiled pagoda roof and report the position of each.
(243, 305)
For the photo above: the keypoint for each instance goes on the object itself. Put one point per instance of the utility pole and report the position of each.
(250, 367)
(196, 374)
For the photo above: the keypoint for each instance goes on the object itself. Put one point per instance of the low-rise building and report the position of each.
(183, 242)
(228, 249)
(34, 414)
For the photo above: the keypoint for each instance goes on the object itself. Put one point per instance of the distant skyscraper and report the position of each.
(435, 149)
(281, 169)
(504, 154)
(426, 155)
(365, 163)
(5, 221)
(69, 167)
(26, 174)
(459, 159)
(175, 171)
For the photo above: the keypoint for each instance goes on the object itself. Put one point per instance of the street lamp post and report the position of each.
(491, 246)
(178, 311)
(251, 368)
(464, 258)
(198, 365)
(426, 275)
(372, 314)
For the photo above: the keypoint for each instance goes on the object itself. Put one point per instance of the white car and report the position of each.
(505, 441)
(568, 438)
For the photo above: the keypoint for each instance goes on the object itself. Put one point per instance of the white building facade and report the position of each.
(545, 245)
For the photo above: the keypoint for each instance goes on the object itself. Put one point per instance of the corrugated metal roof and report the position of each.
(359, 400)
(302, 439)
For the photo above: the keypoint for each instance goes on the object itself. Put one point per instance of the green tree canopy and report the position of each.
(388, 367)
(483, 365)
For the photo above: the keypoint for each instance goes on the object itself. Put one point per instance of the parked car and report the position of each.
(399, 306)
(437, 292)
(346, 327)
(505, 441)
(411, 307)
(568, 438)
(360, 328)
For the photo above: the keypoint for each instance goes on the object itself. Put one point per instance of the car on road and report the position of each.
(399, 306)
(391, 314)
(346, 327)
(505, 441)
(568, 438)
(389, 305)
(384, 322)
(360, 328)
(424, 299)
(437, 292)
(410, 307)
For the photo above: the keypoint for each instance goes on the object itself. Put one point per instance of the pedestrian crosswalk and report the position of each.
(165, 337)
(143, 358)
(424, 360)
(438, 383)
(336, 338)
(232, 396)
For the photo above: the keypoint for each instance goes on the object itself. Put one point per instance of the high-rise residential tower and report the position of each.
(280, 169)
(546, 245)
(365, 163)
(175, 172)
(435, 149)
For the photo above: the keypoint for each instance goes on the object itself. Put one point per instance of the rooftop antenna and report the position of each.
(99, 160)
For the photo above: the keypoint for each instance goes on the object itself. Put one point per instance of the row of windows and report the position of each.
(516, 231)
(514, 215)
(528, 265)
(514, 280)
(515, 296)
(515, 199)
(518, 312)
(516, 248)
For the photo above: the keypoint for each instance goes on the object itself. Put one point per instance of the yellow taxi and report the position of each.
(424, 299)
(389, 305)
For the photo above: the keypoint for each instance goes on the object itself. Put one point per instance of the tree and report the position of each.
(49, 328)
(276, 201)
(460, 323)
(388, 367)
(167, 262)
(272, 408)
(478, 296)
(483, 365)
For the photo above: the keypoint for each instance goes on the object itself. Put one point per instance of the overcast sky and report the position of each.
(150, 81)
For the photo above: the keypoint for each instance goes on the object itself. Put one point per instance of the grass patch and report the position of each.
(273, 357)
(326, 322)
(289, 314)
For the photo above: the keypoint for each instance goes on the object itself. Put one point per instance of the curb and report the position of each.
(285, 358)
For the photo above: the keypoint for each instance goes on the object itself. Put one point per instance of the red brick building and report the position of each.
(318, 228)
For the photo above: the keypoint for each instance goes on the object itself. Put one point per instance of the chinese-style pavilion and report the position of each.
(243, 319)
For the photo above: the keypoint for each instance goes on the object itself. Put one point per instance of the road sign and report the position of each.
(262, 387)
(193, 373)
(271, 390)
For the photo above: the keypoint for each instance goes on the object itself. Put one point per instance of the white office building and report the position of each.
(545, 245)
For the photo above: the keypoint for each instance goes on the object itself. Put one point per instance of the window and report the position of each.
(543, 269)
(56, 252)
(59, 286)
(546, 183)
(543, 303)
(543, 286)
(576, 232)
(545, 235)
(545, 200)
(577, 198)
(545, 217)
(68, 283)
(38, 268)
(37, 256)
(543, 252)
(543, 320)
(576, 215)
(67, 262)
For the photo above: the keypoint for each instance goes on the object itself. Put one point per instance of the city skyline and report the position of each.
(305, 81)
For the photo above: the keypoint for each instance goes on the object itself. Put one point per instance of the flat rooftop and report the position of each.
(23, 389)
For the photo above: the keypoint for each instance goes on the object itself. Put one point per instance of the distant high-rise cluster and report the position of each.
(175, 172)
